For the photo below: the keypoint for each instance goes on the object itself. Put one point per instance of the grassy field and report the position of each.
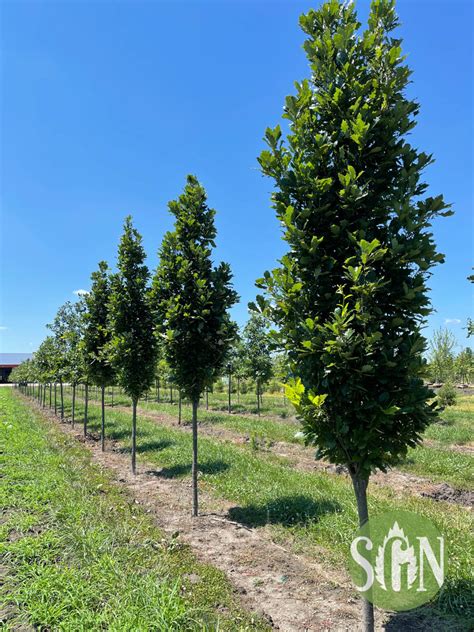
(456, 425)
(435, 460)
(314, 511)
(77, 554)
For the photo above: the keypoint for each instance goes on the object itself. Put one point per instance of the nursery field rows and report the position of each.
(311, 512)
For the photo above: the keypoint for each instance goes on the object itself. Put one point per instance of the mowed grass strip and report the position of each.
(456, 424)
(79, 555)
(436, 462)
(316, 511)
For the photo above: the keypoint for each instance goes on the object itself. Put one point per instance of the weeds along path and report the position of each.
(309, 513)
(298, 456)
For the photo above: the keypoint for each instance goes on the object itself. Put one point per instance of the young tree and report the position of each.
(441, 357)
(464, 364)
(97, 336)
(257, 357)
(67, 330)
(191, 299)
(350, 294)
(132, 346)
(232, 368)
(47, 360)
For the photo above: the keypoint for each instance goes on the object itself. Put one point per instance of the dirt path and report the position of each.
(302, 459)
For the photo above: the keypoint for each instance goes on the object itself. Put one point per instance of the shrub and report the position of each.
(447, 395)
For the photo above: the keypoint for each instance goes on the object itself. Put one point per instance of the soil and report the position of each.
(449, 494)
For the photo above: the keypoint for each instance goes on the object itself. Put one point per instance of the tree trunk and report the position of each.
(73, 404)
(194, 469)
(230, 393)
(86, 405)
(258, 399)
(179, 409)
(102, 419)
(112, 403)
(158, 392)
(55, 398)
(238, 390)
(61, 388)
(360, 490)
(207, 398)
(50, 395)
(171, 394)
(134, 436)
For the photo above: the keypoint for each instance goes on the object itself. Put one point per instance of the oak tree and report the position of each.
(350, 295)
(132, 346)
(97, 337)
(191, 298)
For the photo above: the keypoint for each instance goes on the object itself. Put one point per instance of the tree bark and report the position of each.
(258, 399)
(230, 393)
(62, 399)
(55, 398)
(112, 404)
(134, 436)
(360, 489)
(102, 419)
(50, 395)
(86, 405)
(207, 398)
(73, 419)
(179, 409)
(194, 469)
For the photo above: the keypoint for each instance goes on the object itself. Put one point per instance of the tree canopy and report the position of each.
(191, 297)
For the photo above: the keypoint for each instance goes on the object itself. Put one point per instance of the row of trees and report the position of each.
(131, 329)
(349, 297)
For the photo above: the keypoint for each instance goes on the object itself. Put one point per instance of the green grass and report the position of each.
(316, 511)
(456, 424)
(432, 462)
(441, 465)
(269, 429)
(274, 404)
(80, 555)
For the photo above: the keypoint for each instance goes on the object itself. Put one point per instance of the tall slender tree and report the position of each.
(97, 336)
(47, 360)
(133, 344)
(257, 358)
(67, 330)
(350, 294)
(191, 299)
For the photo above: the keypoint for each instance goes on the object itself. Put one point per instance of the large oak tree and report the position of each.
(350, 295)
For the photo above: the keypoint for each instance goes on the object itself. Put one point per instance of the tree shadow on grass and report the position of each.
(150, 446)
(183, 469)
(117, 435)
(287, 511)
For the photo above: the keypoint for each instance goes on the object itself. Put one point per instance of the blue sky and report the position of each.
(106, 106)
